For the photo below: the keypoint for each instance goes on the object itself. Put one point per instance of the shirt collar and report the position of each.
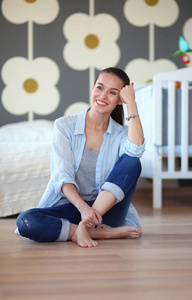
(80, 123)
(110, 126)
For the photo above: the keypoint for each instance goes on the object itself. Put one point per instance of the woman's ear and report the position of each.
(120, 102)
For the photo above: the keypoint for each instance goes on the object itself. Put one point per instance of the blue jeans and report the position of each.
(45, 224)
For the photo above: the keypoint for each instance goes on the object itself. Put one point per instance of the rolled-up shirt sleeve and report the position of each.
(62, 158)
(134, 150)
(130, 148)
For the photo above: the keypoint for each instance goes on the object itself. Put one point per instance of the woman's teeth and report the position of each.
(101, 103)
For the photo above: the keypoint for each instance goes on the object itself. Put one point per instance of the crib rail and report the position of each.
(174, 126)
(166, 115)
(184, 125)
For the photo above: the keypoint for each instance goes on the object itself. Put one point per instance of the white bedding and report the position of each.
(24, 164)
(177, 150)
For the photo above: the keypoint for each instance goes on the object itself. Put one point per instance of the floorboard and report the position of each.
(156, 266)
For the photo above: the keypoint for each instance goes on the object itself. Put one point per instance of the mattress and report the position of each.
(177, 150)
(24, 164)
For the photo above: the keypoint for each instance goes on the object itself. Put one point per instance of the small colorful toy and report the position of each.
(183, 49)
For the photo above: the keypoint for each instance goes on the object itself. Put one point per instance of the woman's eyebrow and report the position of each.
(110, 88)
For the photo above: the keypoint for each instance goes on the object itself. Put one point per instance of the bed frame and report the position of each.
(165, 108)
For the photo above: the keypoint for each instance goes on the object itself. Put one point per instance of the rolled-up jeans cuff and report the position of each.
(114, 189)
(64, 231)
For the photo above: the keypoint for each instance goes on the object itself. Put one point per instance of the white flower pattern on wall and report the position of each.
(162, 13)
(142, 70)
(90, 40)
(38, 11)
(30, 86)
(76, 107)
(30, 82)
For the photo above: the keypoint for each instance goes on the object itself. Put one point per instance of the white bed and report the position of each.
(24, 164)
(166, 115)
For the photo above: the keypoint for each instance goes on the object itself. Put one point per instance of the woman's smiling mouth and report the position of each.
(101, 102)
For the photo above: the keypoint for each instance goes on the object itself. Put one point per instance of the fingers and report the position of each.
(127, 93)
(92, 219)
(99, 219)
(93, 225)
(90, 225)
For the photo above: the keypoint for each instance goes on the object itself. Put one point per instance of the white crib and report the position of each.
(166, 114)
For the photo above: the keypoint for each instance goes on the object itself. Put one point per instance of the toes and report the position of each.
(82, 244)
(92, 243)
(95, 244)
(88, 244)
(136, 233)
(134, 236)
(136, 230)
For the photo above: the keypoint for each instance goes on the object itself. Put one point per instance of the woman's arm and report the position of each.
(88, 214)
(63, 174)
(135, 131)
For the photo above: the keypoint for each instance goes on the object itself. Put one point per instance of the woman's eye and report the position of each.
(99, 87)
(112, 93)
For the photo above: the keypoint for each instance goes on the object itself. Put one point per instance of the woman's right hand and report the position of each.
(90, 217)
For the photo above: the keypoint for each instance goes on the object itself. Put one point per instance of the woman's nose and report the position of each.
(103, 94)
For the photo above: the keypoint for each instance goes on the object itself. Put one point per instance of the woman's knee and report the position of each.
(25, 223)
(130, 164)
(123, 177)
(126, 171)
(38, 225)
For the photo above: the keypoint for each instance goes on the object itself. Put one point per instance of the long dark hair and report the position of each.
(117, 114)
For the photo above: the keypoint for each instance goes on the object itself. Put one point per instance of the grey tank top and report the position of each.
(85, 177)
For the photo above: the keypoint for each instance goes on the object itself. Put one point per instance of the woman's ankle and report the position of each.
(72, 230)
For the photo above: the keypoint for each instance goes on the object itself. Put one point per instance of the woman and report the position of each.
(94, 170)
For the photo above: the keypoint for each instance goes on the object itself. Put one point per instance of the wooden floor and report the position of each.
(157, 266)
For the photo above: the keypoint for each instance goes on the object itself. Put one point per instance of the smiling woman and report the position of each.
(106, 93)
(94, 171)
(117, 114)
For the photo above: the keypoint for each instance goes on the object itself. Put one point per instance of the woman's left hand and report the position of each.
(135, 132)
(127, 94)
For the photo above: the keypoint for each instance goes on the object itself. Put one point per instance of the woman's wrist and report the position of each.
(132, 108)
(81, 206)
(131, 105)
(72, 195)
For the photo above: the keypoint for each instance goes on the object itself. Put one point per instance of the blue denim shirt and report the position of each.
(67, 149)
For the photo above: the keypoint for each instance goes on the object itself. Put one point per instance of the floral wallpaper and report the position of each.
(51, 50)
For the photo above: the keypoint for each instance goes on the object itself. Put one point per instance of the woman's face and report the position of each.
(106, 93)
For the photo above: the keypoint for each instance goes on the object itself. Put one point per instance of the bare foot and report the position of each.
(108, 232)
(122, 232)
(82, 238)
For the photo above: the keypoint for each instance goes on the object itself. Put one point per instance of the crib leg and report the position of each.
(157, 192)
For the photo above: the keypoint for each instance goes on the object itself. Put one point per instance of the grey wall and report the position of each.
(49, 41)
